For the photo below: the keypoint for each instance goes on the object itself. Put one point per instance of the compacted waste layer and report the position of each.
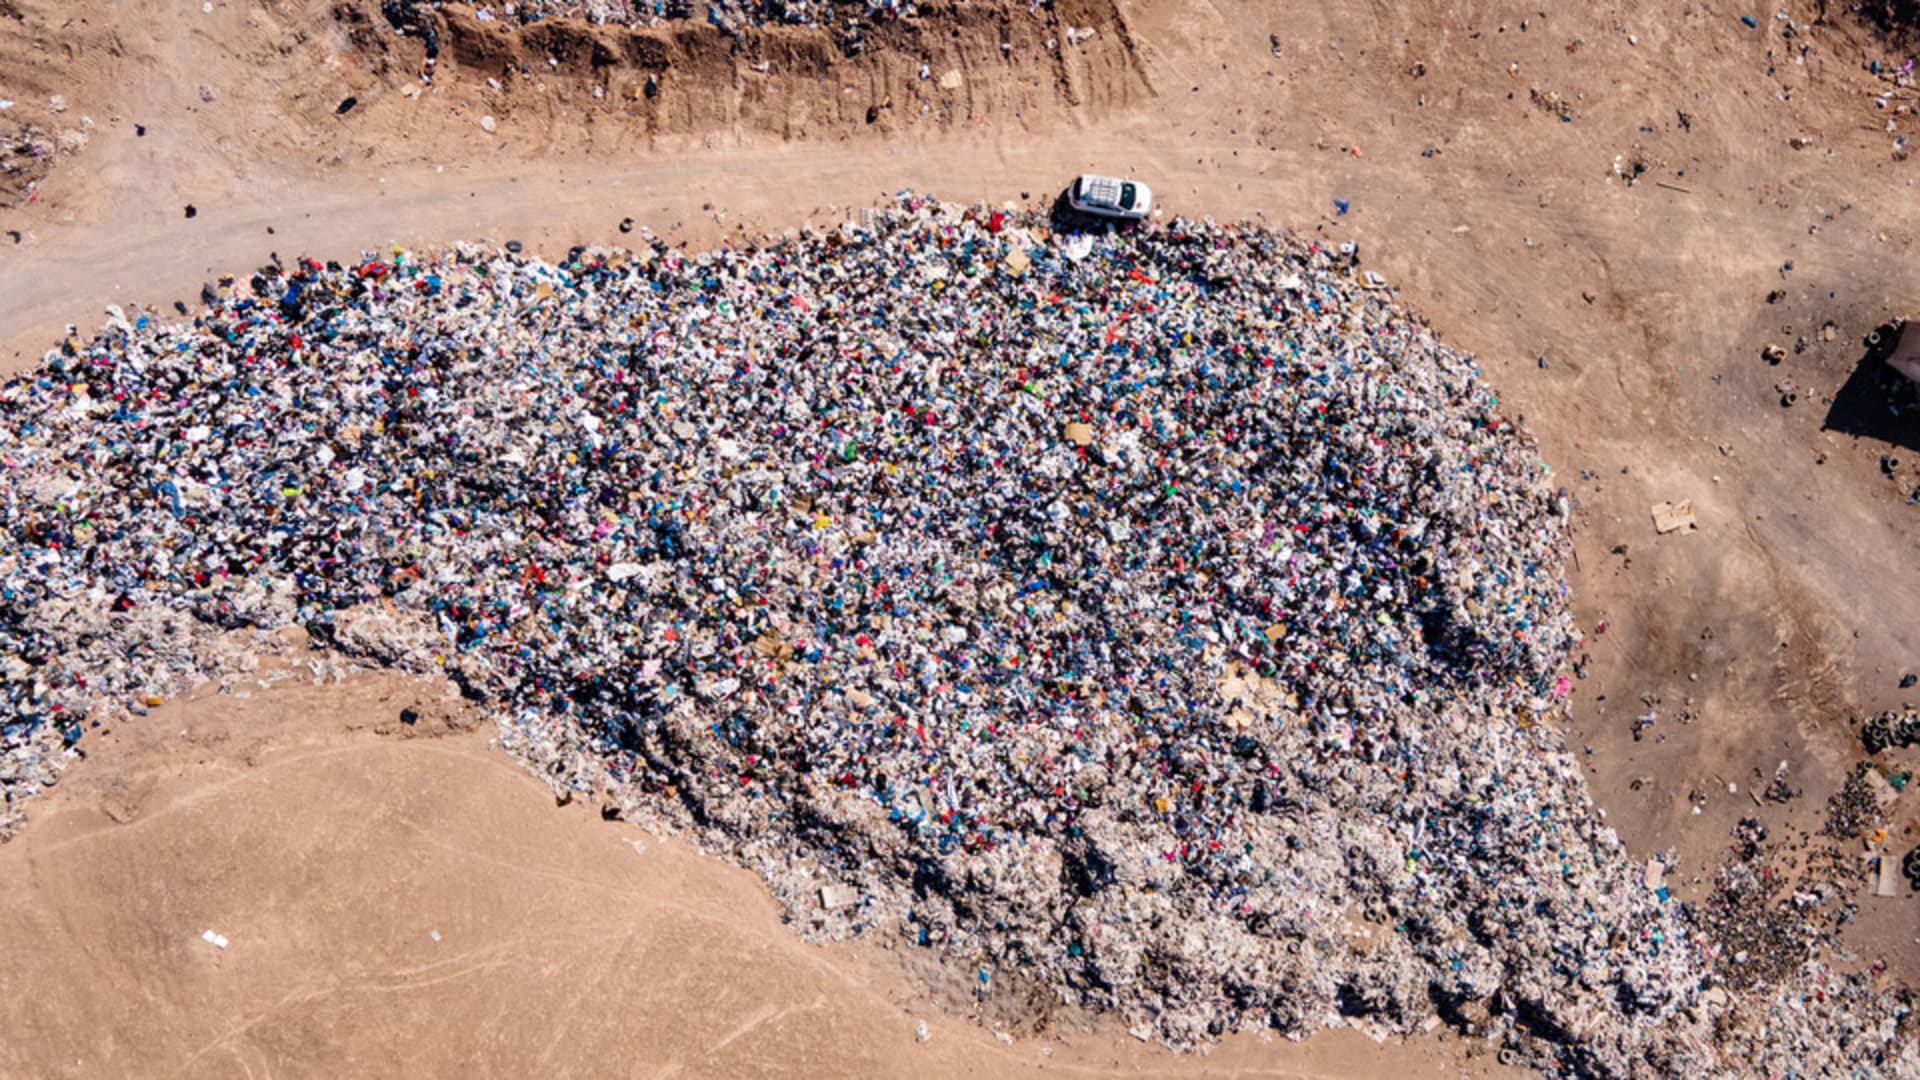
(729, 15)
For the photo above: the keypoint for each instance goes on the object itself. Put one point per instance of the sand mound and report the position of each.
(954, 66)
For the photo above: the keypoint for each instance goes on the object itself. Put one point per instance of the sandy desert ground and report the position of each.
(1618, 207)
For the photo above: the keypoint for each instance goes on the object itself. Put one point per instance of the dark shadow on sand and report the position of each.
(1877, 402)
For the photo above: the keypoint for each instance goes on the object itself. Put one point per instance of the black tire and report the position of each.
(1875, 735)
(1881, 340)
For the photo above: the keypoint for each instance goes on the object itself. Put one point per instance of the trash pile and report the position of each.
(1859, 806)
(727, 14)
(26, 156)
(1159, 617)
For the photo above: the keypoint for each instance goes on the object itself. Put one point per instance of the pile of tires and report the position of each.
(1891, 729)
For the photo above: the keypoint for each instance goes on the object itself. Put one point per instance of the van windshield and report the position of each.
(1126, 196)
